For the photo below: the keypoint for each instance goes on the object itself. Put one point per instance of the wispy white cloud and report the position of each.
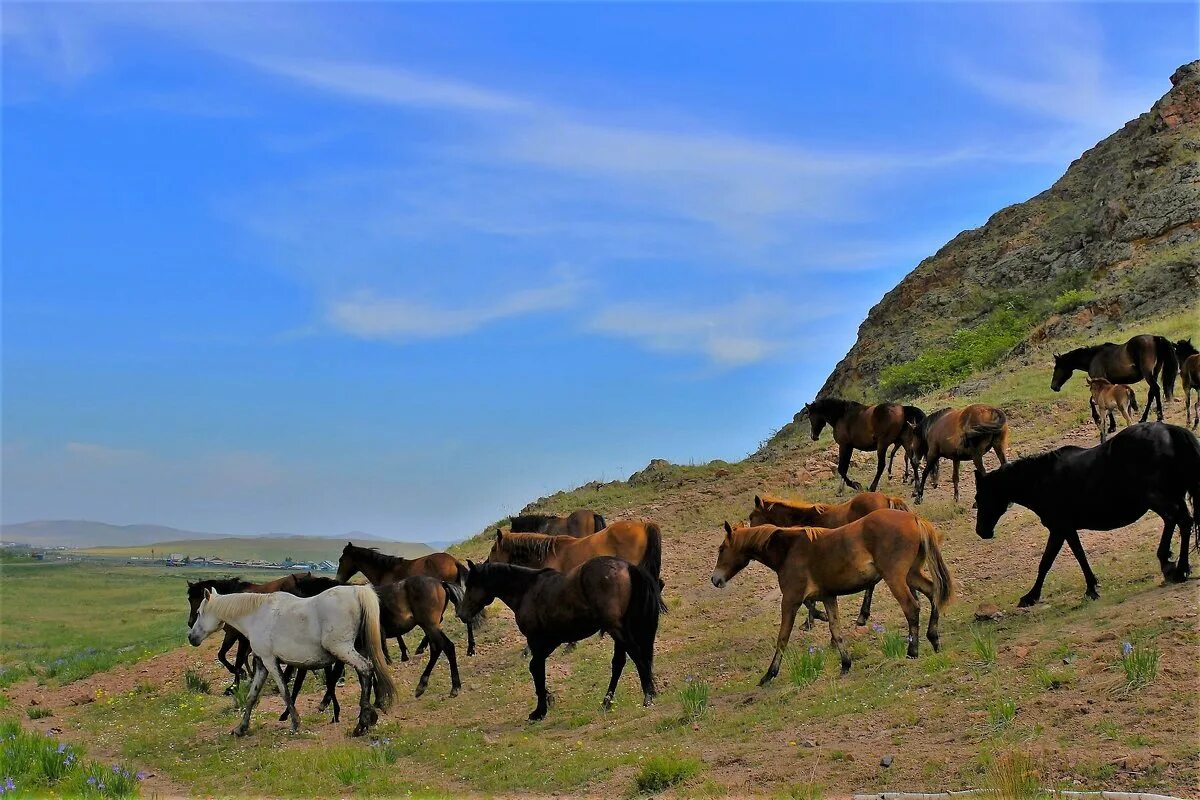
(103, 454)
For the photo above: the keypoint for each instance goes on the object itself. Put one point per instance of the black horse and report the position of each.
(1142, 358)
(552, 608)
(1144, 468)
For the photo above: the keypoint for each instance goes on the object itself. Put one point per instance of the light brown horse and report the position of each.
(638, 542)
(583, 522)
(380, 568)
(959, 435)
(1108, 397)
(1142, 358)
(857, 427)
(1189, 370)
(823, 564)
(770, 510)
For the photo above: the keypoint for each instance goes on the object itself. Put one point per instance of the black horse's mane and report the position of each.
(833, 407)
(1185, 348)
(1090, 350)
(309, 582)
(532, 546)
(529, 523)
(931, 418)
(372, 555)
(222, 585)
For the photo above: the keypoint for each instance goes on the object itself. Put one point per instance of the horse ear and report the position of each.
(758, 503)
(499, 534)
(728, 529)
(190, 584)
(470, 565)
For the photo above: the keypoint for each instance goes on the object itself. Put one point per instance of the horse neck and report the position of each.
(376, 569)
(768, 548)
(1081, 358)
(512, 584)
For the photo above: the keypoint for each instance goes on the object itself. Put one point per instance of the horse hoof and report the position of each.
(283, 717)
(359, 730)
(1092, 594)
(403, 660)
(455, 690)
(648, 700)
(846, 667)
(1027, 601)
(420, 690)
(606, 706)
(1176, 575)
(765, 679)
(861, 622)
(537, 715)
(238, 731)
(470, 651)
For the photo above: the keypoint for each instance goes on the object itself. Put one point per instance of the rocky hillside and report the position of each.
(1116, 237)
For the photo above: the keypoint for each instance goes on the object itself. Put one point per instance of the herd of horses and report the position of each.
(568, 578)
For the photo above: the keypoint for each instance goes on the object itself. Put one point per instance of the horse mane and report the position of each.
(239, 604)
(1089, 351)
(372, 555)
(530, 546)
(1185, 348)
(798, 505)
(222, 585)
(758, 538)
(833, 407)
(529, 523)
(927, 423)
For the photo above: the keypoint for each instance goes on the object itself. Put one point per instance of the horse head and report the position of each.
(731, 559)
(1062, 371)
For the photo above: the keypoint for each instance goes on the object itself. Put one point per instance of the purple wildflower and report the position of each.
(91, 781)
(62, 747)
(10, 785)
(141, 776)
(1126, 648)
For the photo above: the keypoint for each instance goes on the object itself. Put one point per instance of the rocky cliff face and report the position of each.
(1121, 228)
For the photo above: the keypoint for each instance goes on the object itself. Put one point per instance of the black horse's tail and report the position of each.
(1170, 364)
(652, 559)
(598, 522)
(640, 621)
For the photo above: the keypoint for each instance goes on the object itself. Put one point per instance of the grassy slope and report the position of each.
(298, 549)
(932, 714)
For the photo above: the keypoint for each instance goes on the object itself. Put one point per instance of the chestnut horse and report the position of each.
(380, 568)
(966, 433)
(1189, 370)
(1107, 397)
(1139, 359)
(769, 510)
(638, 542)
(823, 564)
(857, 427)
(578, 523)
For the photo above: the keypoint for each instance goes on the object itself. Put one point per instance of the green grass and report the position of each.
(38, 712)
(33, 765)
(983, 644)
(301, 549)
(1013, 776)
(195, 682)
(663, 772)
(804, 665)
(1140, 665)
(694, 697)
(1052, 678)
(1001, 713)
(894, 644)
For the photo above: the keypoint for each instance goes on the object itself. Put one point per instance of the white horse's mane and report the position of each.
(236, 605)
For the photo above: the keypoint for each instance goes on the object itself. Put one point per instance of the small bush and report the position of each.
(694, 696)
(1140, 663)
(37, 712)
(1013, 776)
(384, 752)
(983, 643)
(662, 772)
(1001, 713)
(195, 682)
(805, 666)
(805, 791)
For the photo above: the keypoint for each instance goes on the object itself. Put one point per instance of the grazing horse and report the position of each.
(578, 524)
(307, 632)
(959, 435)
(823, 564)
(770, 510)
(603, 594)
(1189, 370)
(380, 568)
(638, 542)
(857, 427)
(1139, 359)
(1147, 468)
(1107, 397)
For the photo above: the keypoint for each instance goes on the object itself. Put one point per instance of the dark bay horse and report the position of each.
(380, 568)
(769, 510)
(913, 419)
(857, 427)
(965, 433)
(1144, 468)
(1142, 358)
(578, 523)
(637, 541)
(823, 564)
(603, 594)
(1189, 370)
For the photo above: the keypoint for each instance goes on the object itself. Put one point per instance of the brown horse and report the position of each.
(857, 427)
(769, 510)
(1108, 397)
(959, 435)
(823, 564)
(1189, 370)
(578, 523)
(380, 568)
(1139, 359)
(638, 542)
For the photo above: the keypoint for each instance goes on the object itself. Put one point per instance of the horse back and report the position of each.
(442, 566)
(625, 539)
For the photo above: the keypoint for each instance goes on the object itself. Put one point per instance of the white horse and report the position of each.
(307, 632)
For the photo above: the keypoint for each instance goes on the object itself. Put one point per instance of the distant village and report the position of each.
(169, 559)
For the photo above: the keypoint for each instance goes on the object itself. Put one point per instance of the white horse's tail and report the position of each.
(368, 604)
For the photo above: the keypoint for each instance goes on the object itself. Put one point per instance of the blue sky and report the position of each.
(403, 268)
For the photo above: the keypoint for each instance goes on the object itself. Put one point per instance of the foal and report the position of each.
(1189, 370)
(821, 564)
(552, 608)
(1108, 397)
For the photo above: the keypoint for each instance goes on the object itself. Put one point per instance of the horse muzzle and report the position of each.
(719, 581)
(194, 639)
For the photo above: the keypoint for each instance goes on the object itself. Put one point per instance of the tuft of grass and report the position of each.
(662, 772)
(805, 666)
(805, 791)
(895, 644)
(1140, 663)
(983, 644)
(1001, 713)
(1050, 678)
(195, 682)
(38, 712)
(240, 693)
(352, 767)
(1013, 776)
(32, 765)
(694, 696)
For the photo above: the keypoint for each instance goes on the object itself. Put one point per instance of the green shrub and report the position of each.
(240, 692)
(983, 643)
(805, 791)
(895, 643)
(195, 682)
(694, 696)
(37, 712)
(805, 666)
(1050, 678)
(1140, 663)
(1072, 299)
(662, 772)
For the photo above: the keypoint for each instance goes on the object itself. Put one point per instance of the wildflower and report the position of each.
(812, 648)
(1126, 648)
(117, 769)
(141, 776)
(91, 781)
(877, 627)
(62, 747)
(10, 785)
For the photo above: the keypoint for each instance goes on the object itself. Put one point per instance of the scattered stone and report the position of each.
(885, 762)
(1021, 651)
(988, 612)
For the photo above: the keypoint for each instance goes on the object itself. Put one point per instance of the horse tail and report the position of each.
(461, 570)
(652, 558)
(896, 503)
(640, 620)
(368, 604)
(1170, 364)
(995, 428)
(939, 573)
(598, 522)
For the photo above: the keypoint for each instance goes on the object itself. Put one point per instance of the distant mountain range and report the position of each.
(86, 533)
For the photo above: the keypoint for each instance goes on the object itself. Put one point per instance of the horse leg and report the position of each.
(618, 666)
(892, 460)
(814, 613)
(881, 462)
(435, 650)
(899, 584)
(300, 676)
(333, 674)
(643, 658)
(256, 684)
(844, 453)
(422, 646)
(954, 479)
(835, 632)
(367, 716)
(1089, 578)
(1151, 393)
(920, 583)
(788, 607)
(1053, 545)
(864, 613)
(1173, 513)
(448, 647)
(231, 639)
(919, 487)
(1112, 421)
(272, 666)
(537, 669)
